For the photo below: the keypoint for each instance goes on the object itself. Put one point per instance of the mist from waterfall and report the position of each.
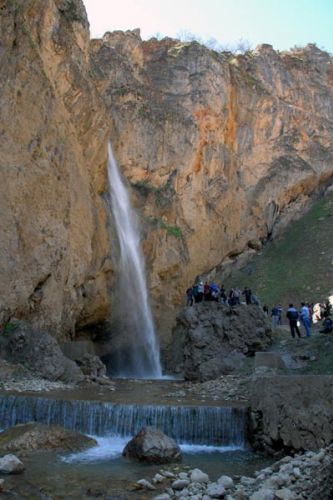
(135, 347)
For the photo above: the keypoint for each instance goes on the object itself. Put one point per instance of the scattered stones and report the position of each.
(34, 385)
(10, 464)
(309, 475)
(180, 484)
(143, 483)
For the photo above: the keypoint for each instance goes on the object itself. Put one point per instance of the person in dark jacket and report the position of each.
(327, 326)
(292, 316)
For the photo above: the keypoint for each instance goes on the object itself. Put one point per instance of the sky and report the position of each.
(281, 23)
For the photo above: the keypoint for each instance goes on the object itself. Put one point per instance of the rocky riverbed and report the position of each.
(304, 476)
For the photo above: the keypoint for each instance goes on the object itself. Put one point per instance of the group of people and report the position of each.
(211, 291)
(304, 316)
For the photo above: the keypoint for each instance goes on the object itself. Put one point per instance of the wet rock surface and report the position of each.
(37, 437)
(152, 446)
(211, 339)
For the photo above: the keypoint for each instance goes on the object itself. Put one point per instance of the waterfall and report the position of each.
(135, 348)
(218, 426)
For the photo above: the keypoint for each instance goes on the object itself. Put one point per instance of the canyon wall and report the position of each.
(220, 150)
(55, 253)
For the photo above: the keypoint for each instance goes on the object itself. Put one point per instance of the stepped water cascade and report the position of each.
(211, 426)
(135, 350)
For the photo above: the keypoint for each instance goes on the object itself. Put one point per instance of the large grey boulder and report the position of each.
(153, 446)
(211, 339)
(39, 352)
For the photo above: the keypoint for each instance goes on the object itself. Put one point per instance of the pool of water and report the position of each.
(101, 471)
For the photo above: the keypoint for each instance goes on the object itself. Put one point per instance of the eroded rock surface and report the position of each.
(291, 412)
(39, 353)
(211, 339)
(54, 256)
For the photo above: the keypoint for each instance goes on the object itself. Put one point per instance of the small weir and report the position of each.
(211, 426)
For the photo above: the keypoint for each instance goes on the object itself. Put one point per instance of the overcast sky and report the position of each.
(282, 23)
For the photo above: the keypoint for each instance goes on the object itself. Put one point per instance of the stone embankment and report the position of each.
(307, 476)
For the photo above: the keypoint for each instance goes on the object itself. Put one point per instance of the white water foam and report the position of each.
(109, 448)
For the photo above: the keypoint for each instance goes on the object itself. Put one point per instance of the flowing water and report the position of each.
(188, 425)
(136, 353)
(212, 438)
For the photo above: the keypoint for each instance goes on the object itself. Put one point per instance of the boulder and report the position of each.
(10, 464)
(83, 353)
(216, 490)
(40, 352)
(151, 445)
(197, 476)
(227, 482)
(211, 339)
(36, 437)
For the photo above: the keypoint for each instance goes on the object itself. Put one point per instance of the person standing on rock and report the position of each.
(292, 315)
(305, 319)
(280, 309)
(248, 295)
(189, 296)
(275, 317)
(200, 292)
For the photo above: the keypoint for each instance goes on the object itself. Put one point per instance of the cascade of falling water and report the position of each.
(224, 426)
(136, 350)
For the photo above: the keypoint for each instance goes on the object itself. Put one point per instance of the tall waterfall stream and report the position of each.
(136, 352)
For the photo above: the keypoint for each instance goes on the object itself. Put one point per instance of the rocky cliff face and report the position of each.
(54, 254)
(218, 149)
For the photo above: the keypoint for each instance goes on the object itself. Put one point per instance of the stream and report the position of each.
(211, 434)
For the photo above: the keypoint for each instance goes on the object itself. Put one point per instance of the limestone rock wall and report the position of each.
(54, 253)
(220, 149)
